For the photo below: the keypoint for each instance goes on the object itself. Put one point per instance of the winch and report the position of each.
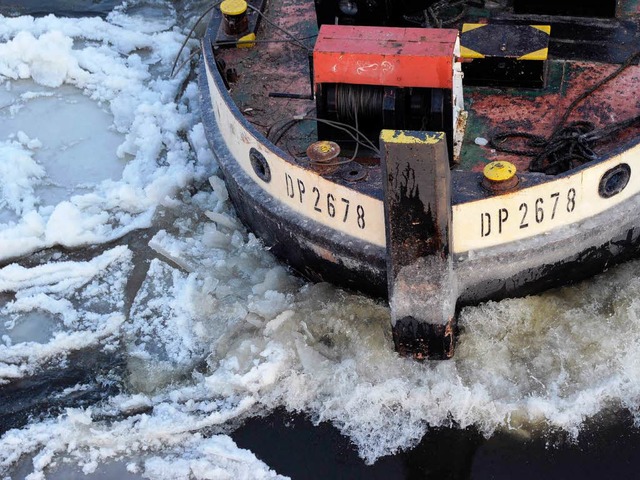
(387, 78)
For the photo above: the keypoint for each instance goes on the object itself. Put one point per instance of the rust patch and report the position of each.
(425, 341)
(323, 253)
(539, 114)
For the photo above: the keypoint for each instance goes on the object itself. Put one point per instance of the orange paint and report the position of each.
(401, 57)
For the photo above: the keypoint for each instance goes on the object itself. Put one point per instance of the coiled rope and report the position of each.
(569, 145)
(440, 14)
(445, 12)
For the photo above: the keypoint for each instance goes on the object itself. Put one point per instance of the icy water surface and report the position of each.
(144, 333)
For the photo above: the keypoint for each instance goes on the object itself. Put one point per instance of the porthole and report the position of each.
(614, 180)
(260, 165)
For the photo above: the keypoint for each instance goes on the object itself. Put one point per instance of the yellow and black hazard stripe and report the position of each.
(518, 42)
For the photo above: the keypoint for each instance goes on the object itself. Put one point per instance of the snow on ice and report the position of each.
(124, 72)
(217, 330)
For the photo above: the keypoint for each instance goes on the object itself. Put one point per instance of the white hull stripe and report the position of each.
(475, 225)
(539, 209)
(307, 193)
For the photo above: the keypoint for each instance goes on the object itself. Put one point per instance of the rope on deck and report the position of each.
(569, 145)
(440, 14)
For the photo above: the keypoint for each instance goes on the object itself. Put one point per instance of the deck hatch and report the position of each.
(505, 55)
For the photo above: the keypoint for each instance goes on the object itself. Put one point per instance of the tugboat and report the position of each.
(434, 153)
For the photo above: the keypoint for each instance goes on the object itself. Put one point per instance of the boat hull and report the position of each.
(315, 250)
(572, 230)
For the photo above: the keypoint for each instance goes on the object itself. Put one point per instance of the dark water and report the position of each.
(293, 446)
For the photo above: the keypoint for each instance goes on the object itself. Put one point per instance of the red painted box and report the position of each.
(401, 57)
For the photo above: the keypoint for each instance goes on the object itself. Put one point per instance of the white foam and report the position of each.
(525, 364)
